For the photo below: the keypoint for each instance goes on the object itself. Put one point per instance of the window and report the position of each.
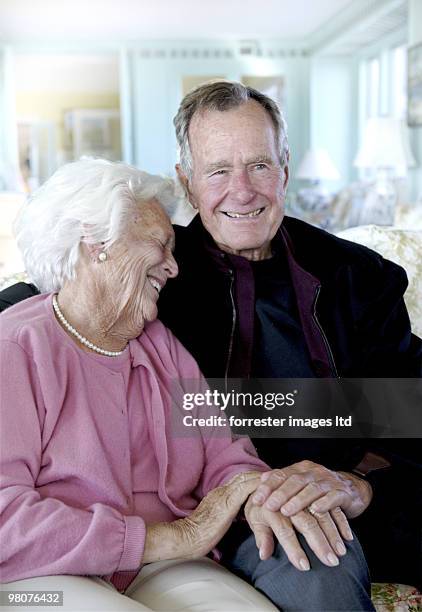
(383, 84)
(382, 90)
(373, 91)
(399, 82)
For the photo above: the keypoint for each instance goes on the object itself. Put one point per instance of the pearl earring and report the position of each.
(102, 256)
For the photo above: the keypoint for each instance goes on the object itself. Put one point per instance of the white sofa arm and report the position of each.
(402, 246)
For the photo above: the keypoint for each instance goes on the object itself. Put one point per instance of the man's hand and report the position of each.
(320, 532)
(307, 484)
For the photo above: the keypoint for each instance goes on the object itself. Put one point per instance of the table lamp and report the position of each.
(316, 166)
(386, 150)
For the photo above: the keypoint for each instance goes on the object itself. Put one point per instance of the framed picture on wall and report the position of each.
(414, 88)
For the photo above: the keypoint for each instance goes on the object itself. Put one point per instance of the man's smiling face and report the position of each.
(237, 183)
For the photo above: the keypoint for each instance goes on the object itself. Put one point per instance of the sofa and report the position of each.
(404, 246)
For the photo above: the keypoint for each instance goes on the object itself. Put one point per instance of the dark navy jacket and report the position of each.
(355, 322)
(350, 302)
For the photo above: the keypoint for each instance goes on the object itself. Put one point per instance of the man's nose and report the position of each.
(241, 186)
(171, 266)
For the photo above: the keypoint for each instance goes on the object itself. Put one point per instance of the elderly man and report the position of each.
(263, 295)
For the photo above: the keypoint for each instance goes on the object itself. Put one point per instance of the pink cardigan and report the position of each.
(66, 489)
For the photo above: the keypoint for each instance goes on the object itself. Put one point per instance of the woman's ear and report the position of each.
(184, 181)
(95, 252)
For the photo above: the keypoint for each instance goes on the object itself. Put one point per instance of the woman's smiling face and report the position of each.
(138, 266)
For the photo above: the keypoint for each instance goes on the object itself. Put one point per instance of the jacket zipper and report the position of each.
(229, 355)
(324, 337)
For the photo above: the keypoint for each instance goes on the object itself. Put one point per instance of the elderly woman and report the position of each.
(94, 486)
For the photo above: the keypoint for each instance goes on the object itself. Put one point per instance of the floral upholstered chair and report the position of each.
(405, 248)
(389, 597)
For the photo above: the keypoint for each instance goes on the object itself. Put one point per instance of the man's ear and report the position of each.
(286, 176)
(185, 184)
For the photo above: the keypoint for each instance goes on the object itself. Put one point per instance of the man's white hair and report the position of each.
(90, 201)
(222, 95)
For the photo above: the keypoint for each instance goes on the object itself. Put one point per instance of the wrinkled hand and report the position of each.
(320, 532)
(195, 535)
(307, 484)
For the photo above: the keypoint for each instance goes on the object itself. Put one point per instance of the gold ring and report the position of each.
(312, 511)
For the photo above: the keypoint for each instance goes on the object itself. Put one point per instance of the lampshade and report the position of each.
(385, 144)
(317, 165)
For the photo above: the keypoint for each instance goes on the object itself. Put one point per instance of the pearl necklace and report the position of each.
(79, 336)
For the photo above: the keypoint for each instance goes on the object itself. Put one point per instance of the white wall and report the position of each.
(334, 108)
(415, 38)
(415, 22)
(157, 91)
(9, 174)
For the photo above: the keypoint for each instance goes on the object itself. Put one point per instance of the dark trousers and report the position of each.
(322, 588)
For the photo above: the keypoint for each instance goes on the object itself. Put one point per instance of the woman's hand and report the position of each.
(195, 535)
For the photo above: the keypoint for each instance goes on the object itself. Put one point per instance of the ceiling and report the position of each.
(93, 20)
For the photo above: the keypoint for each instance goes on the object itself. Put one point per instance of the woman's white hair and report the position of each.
(90, 201)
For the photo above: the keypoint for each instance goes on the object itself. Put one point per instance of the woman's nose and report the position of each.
(171, 266)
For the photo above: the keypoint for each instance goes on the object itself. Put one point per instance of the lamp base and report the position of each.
(379, 205)
(314, 198)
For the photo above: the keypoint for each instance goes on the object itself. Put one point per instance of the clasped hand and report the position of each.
(277, 504)
(281, 505)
